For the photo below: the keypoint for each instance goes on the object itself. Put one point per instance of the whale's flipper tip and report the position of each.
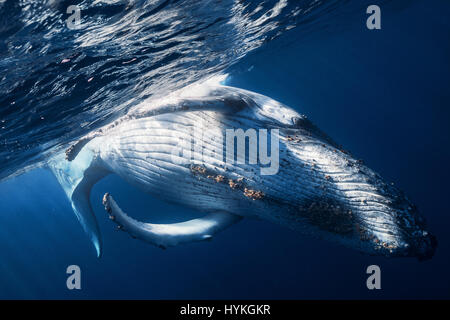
(207, 237)
(98, 250)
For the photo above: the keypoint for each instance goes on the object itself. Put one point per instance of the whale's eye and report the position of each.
(297, 121)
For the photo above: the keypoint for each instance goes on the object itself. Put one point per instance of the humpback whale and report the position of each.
(317, 189)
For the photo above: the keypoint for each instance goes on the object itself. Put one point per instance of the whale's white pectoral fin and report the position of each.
(77, 179)
(165, 235)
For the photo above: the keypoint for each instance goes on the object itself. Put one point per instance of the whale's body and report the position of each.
(318, 188)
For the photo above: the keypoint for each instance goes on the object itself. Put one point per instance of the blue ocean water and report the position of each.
(382, 94)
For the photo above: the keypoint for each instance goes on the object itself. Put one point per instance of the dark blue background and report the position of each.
(383, 94)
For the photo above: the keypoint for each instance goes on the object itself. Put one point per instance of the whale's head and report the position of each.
(346, 200)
